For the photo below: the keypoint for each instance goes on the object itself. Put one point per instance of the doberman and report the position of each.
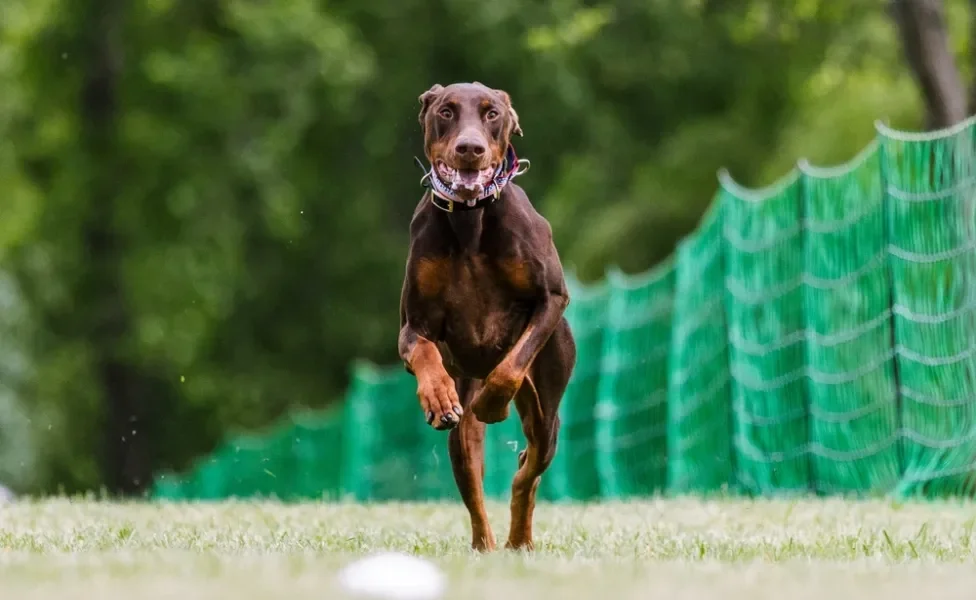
(483, 300)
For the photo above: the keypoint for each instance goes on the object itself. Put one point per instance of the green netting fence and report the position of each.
(814, 337)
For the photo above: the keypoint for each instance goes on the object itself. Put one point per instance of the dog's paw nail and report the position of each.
(458, 411)
(446, 419)
(430, 417)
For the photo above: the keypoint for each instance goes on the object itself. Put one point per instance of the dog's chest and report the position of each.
(486, 301)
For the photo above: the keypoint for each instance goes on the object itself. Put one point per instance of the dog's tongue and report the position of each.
(468, 179)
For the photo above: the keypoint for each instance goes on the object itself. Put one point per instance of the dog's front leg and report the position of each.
(435, 387)
(419, 320)
(491, 404)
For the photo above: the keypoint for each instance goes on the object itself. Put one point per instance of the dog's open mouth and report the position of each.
(465, 182)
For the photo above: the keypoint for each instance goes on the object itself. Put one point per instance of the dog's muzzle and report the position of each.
(510, 168)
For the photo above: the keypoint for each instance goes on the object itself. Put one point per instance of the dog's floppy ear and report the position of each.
(512, 115)
(516, 128)
(426, 99)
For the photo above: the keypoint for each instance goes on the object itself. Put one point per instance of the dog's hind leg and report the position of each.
(537, 402)
(466, 444)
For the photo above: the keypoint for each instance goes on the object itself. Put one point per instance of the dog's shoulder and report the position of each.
(521, 216)
(421, 218)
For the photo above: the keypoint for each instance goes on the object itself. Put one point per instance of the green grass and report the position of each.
(666, 549)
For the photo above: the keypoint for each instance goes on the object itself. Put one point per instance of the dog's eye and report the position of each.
(446, 113)
(491, 115)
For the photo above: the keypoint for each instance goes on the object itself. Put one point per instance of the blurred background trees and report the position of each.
(204, 203)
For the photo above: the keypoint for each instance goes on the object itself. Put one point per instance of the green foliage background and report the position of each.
(256, 178)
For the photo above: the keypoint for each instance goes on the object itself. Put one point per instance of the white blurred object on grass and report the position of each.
(393, 576)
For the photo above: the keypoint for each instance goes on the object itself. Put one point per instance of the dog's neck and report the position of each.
(468, 227)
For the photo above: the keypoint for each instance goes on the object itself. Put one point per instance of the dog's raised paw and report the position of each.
(439, 401)
(491, 405)
(488, 411)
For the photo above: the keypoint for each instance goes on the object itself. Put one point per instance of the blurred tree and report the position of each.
(925, 39)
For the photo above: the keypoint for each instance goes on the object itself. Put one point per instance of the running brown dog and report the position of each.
(483, 301)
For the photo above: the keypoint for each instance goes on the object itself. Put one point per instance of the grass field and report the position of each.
(674, 549)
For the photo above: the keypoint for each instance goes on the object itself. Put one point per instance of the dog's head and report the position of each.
(467, 129)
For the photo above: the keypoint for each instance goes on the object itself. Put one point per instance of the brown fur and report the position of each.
(481, 310)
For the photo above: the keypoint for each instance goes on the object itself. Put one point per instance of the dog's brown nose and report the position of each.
(470, 148)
